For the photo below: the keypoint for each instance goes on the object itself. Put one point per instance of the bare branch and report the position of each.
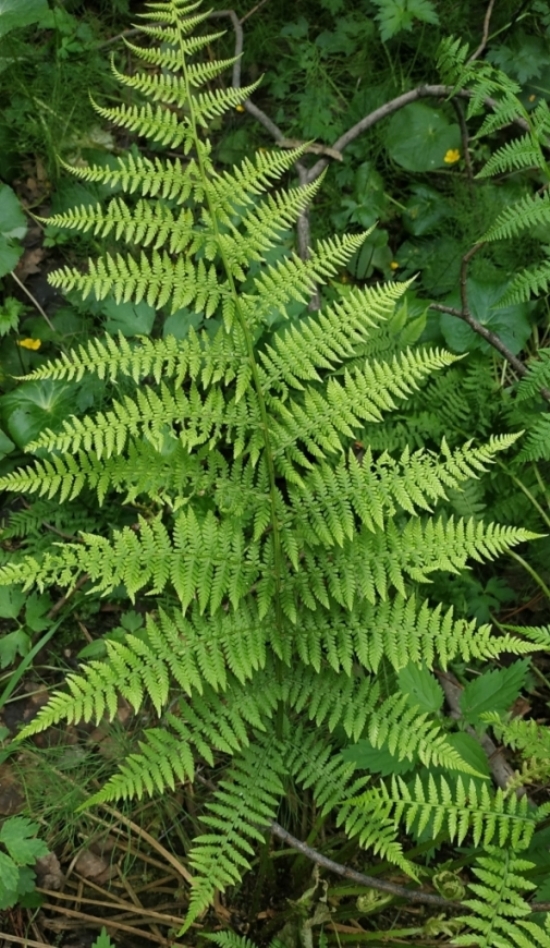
(481, 330)
(400, 891)
(485, 35)
(253, 10)
(465, 136)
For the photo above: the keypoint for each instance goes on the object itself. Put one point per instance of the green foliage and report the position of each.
(18, 853)
(103, 940)
(13, 226)
(499, 909)
(282, 511)
(396, 15)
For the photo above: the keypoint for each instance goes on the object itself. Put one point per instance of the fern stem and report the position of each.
(276, 535)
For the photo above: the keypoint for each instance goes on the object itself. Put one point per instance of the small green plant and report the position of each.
(103, 940)
(19, 850)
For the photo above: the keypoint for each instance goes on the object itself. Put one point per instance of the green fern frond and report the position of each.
(243, 806)
(536, 445)
(529, 737)
(538, 376)
(402, 631)
(527, 213)
(457, 810)
(527, 283)
(194, 653)
(280, 531)
(168, 754)
(517, 155)
(499, 907)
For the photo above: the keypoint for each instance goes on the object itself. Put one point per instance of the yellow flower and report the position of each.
(451, 156)
(532, 98)
(29, 343)
(394, 265)
(240, 108)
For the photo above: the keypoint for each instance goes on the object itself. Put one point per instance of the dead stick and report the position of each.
(485, 35)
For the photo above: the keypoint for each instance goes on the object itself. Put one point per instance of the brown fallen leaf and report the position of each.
(30, 263)
(48, 872)
(91, 866)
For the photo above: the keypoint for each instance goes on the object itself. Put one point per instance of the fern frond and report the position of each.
(514, 156)
(527, 283)
(538, 376)
(529, 737)
(527, 213)
(456, 809)
(536, 444)
(243, 806)
(402, 631)
(499, 906)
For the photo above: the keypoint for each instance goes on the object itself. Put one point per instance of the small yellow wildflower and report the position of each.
(451, 156)
(240, 108)
(532, 98)
(29, 343)
(394, 265)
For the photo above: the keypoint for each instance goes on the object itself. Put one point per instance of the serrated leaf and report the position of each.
(12, 599)
(9, 878)
(13, 644)
(103, 940)
(36, 612)
(18, 836)
(380, 761)
(13, 223)
(493, 691)
(18, 13)
(421, 686)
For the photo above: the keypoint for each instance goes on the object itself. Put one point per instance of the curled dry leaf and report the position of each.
(91, 866)
(48, 872)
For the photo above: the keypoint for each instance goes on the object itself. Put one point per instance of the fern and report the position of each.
(499, 909)
(457, 809)
(284, 537)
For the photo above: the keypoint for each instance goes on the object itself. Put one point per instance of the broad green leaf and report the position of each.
(418, 137)
(180, 322)
(36, 612)
(27, 896)
(367, 757)
(6, 446)
(34, 406)
(10, 312)
(470, 751)
(12, 599)
(493, 691)
(13, 226)
(421, 686)
(17, 834)
(9, 877)
(131, 319)
(17, 13)
(511, 323)
(13, 644)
